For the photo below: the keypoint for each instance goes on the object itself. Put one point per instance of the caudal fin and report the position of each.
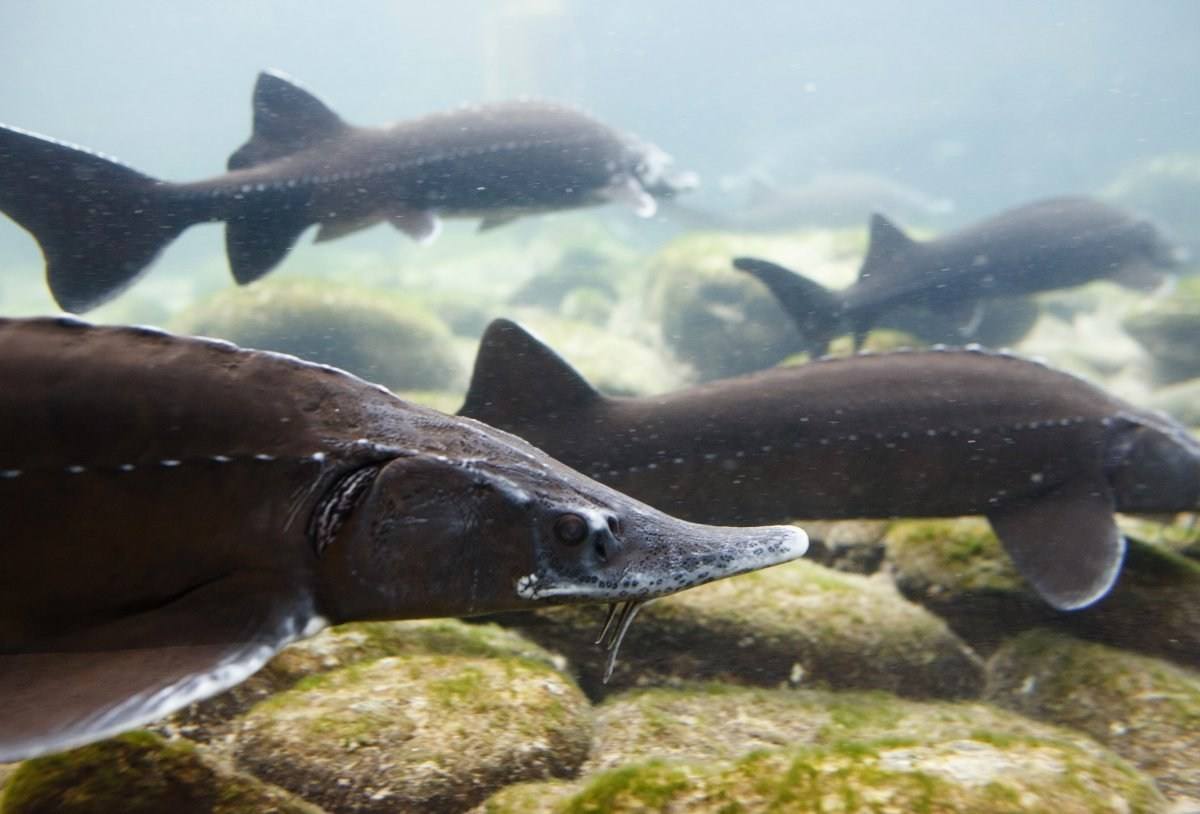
(99, 223)
(816, 310)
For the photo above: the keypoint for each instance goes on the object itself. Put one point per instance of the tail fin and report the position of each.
(816, 310)
(99, 223)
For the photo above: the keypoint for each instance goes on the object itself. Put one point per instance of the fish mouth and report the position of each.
(660, 567)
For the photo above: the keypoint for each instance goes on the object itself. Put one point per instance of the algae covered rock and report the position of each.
(958, 569)
(975, 776)
(718, 320)
(380, 337)
(1169, 329)
(436, 729)
(1144, 709)
(139, 773)
(799, 624)
(344, 646)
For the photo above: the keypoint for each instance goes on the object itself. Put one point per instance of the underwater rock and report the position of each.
(579, 267)
(715, 319)
(799, 624)
(344, 646)
(722, 749)
(853, 546)
(957, 569)
(1169, 329)
(436, 729)
(1146, 710)
(377, 336)
(139, 773)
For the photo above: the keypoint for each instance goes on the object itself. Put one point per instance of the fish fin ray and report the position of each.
(1065, 543)
(287, 118)
(509, 360)
(814, 309)
(887, 242)
(126, 673)
(99, 223)
(256, 243)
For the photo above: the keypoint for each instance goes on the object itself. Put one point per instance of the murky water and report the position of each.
(886, 171)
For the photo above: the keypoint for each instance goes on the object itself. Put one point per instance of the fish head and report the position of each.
(654, 170)
(1155, 247)
(439, 535)
(1153, 465)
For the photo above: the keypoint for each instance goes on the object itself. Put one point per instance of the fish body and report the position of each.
(100, 224)
(1055, 243)
(176, 510)
(1044, 455)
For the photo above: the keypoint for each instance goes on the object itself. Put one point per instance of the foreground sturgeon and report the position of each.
(173, 511)
(100, 224)
(1044, 455)
(1055, 243)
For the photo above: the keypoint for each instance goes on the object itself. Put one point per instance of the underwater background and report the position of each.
(904, 666)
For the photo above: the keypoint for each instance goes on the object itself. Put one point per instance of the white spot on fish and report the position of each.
(76, 469)
(169, 462)
(125, 468)
(262, 456)
(9, 474)
(318, 457)
(1037, 477)
(221, 459)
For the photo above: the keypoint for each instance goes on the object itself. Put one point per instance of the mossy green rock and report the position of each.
(432, 731)
(799, 624)
(1169, 329)
(380, 337)
(1180, 400)
(715, 319)
(139, 773)
(347, 645)
(958, 569)
(1144, 709)
(730, 750)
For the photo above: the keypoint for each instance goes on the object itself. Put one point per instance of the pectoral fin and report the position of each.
(1065, 543)
(419, 224)
(124, 673)
(340, 227)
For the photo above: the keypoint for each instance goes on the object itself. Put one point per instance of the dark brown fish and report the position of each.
(100, 224)
(174, 511)
(1044, 455)
(1056, 243)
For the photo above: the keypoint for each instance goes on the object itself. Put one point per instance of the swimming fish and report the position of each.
(1044, 455)
(833, 199)
(100, 224)
(1054, 243)
(176, 510)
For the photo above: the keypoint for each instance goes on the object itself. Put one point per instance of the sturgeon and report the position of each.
(173, 511)
(1054, 243)
(100, 224)
(1045, 456)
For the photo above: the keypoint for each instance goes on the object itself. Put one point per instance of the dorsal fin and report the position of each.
(887, 243)
(517, 377)
(287, 118)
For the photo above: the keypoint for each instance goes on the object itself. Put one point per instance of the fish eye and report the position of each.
(571, 529)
